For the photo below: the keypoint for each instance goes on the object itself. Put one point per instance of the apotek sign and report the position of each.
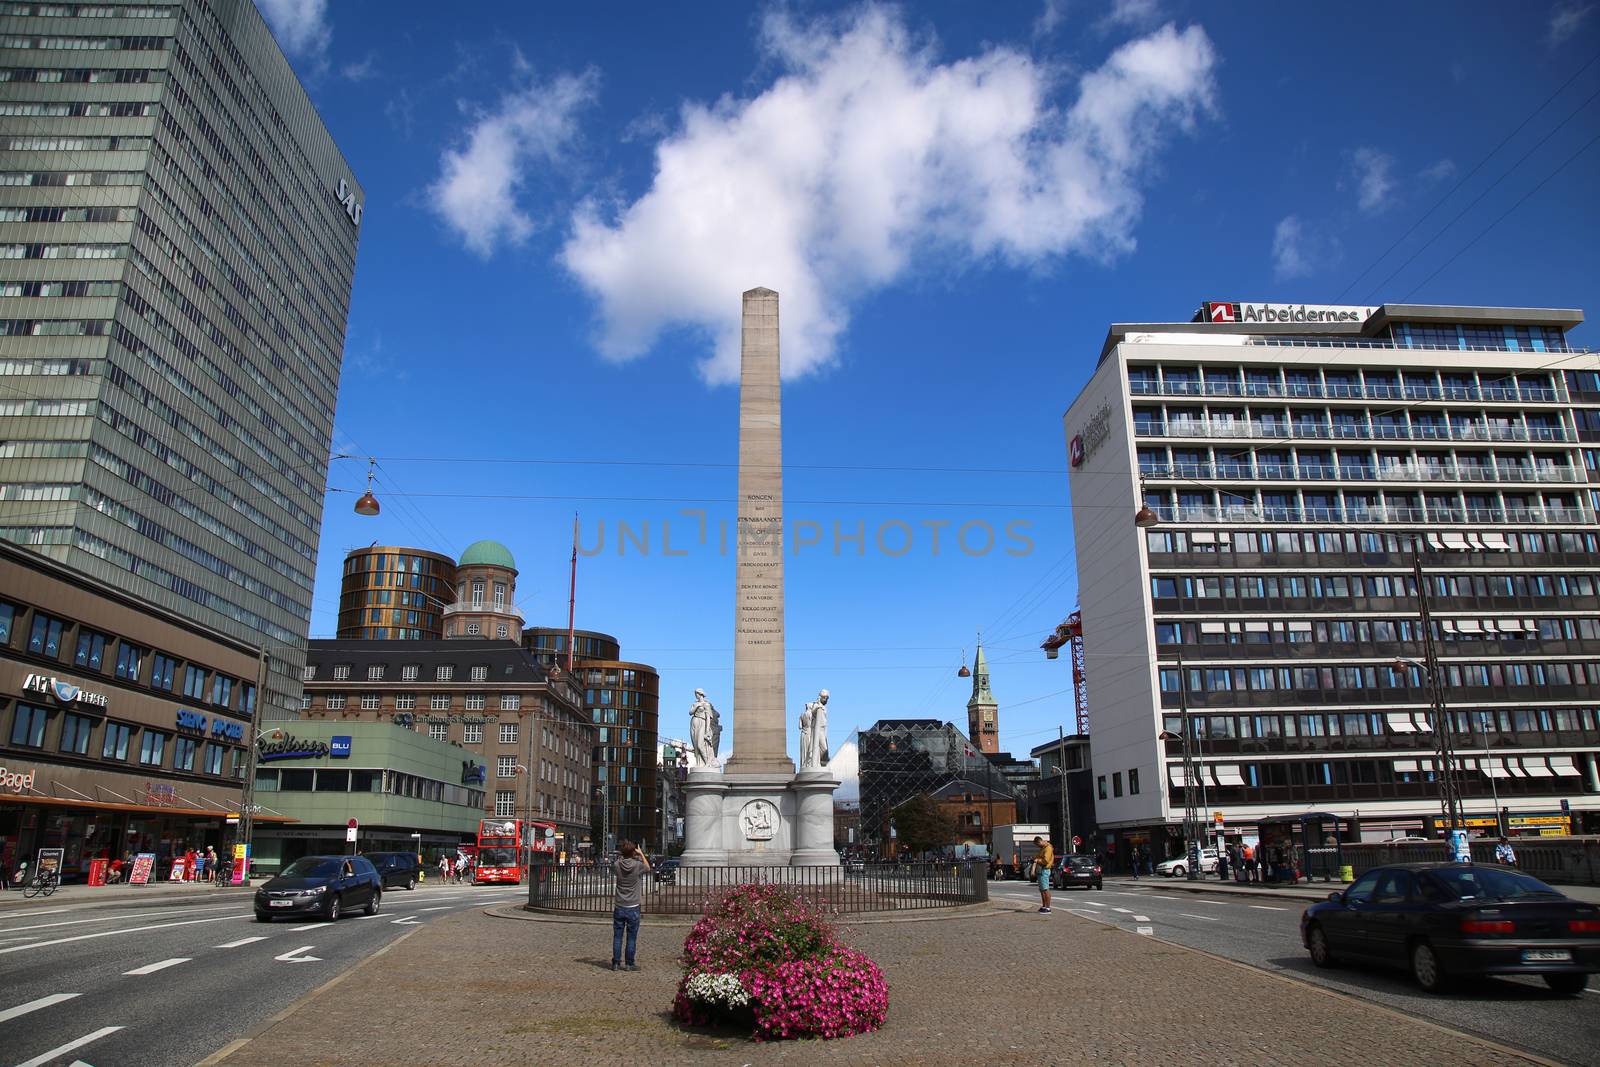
(1223, 311)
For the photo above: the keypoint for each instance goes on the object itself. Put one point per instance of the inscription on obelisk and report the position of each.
(760, 722)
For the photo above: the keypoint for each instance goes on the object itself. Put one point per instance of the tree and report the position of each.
(921, 824)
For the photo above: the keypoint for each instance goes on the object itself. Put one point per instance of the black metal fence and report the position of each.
(1559, 860)
(843, 890)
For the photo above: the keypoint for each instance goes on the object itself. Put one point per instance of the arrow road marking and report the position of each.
(293, 955)
(407, 920)
(152, 968)
(241, 942)
(41, 1060)
(34, 1005)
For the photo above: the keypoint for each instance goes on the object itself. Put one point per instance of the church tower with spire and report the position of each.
(983, 712)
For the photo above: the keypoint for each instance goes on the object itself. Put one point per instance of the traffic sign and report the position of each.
(350, 830)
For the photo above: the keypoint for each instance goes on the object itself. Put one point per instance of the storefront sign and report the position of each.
(160, 793)
(241, 863)
(16, 781)
(177, 870)
(229, 731)
(473, 773)
(291, 747)
(347, 200)
(50, 861)
(1216, 311)
(407, 719)
(191, 720)
(1094, 434)
(339, 747)
(65, 692)
(143, 864)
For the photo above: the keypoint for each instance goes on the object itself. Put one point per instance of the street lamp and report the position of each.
(367, 504)
(247, 798)
(1194, 798)
(1401, 663)
(527, 822)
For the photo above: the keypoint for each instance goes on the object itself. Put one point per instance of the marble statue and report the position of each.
(814, 734)
(705, 730)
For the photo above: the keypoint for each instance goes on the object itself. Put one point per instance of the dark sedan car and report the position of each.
(396, 868)
(1078, 870)
(666, 871)
(325, 886)
(1450, 920)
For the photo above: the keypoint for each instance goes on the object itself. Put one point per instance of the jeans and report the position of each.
(624, 919)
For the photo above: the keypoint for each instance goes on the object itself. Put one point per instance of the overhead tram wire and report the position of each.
(1468, 176)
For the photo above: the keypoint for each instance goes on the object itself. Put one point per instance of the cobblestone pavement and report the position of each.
(1000, 986)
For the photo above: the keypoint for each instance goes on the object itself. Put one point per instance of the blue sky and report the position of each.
(563, 206)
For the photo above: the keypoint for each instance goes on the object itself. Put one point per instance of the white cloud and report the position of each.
(476, 194)
(1565, 20)
(301, 27)
(1374, 178)
(1050, 18)
(867, 158)
(1443, 170)
(846, 766)
(362, 70)
(1132, 13)
(1291, 257)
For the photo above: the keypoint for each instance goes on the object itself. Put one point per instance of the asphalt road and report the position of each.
(1520, 1012)
(151, 987)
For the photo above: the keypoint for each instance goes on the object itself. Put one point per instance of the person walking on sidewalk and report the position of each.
(629, 870)
(1504, 853)
(1043, 864)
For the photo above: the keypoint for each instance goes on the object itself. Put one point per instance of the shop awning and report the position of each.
(1400, 722)
(139, 809)
(1536, 768)
(1564, 767)
(1228, 774)
(1178, 776)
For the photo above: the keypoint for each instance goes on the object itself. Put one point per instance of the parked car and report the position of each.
(1448, 920)
(396, 868)
(1078, 869)
(326, 886)
(1178, 867)
(666, 870)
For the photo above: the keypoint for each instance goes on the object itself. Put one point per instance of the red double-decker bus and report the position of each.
(501, 854)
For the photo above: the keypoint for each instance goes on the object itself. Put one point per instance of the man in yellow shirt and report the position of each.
(1045, 863)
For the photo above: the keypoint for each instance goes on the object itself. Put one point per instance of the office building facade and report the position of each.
(1297, 463)
(390, 593)
(178, 237)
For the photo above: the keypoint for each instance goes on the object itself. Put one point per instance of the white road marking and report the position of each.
(241, 942)
(28, 913)
(407, 920)
(1265, 907)
(1158, 896)
(1141, 918)
(152, 968)
(307, 926)
(1147, 931)
(103, 919)
(112, 933)
(44, 1058)
(35, 1005)
(9, 940)
(446, 907)
(1122, 911)
(293, 955)
(1094, 904)
(1204, 918)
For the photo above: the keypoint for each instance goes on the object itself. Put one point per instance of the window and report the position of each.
(476, 701)
(213, 758)
(408, 673)
(480, 673)
(28, 728)
(1100, 784)
(370, 701)
(45, 637)
(1116, 783)
(439, 702)
(405, 701)
(8, 617)
(1133, 782)
(221, 690)
(116, 742)
(306, 675)
(152, 748)
(335, 701)
(501, 631)
(183, 754)
(305, 701)
(505, 767)
(473, 629)
(437, 731)
(473, 734)
(510, 701)
(444, 672)
(341, 671)
(375, 672)
(129, 659)
(91, 649)
(194, 682)
(508, 733)
(505, 803)
(75, 731)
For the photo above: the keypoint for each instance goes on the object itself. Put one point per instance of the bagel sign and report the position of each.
(16, 781)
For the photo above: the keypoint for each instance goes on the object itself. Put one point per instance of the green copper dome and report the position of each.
(487, 554)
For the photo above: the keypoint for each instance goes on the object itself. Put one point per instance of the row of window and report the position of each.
(57, 288)
(1203, 681)
(83, 76)
(473, 733)
(408, 701)
(386, 567)
(59, 143)
(92, 651)
(409, 672)
(502, 631)
(505, 806)
(1346, 586)
(358, 780)
(77, 43)
(1350, 382)
(1365, 631)
(1395, 547)
(30, 729)
(90, 11)
(1392, 505)
(1523, 776)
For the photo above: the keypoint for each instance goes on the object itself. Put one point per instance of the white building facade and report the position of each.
(1296, 459)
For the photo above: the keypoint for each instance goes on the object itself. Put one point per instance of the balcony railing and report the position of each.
(1498, 394)
(1317, 472)
(1270, 513)
(480, 607)
(1322, 431)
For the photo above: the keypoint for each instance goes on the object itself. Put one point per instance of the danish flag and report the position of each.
(1224, 312)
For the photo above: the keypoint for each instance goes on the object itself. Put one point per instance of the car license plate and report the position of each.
(1546, 955)
(290, 903)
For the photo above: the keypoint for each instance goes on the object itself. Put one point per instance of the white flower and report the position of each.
(717, 990)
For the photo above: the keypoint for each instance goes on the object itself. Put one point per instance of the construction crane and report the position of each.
(1070, 632)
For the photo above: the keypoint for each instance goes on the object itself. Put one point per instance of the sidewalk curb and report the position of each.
(1259, 894)
(1338, 994)
(521, 913)
(299, 1002)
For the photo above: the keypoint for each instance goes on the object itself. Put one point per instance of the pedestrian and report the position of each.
(199, 866)
(188, 865)
(444, 868)
(462, 867)
(1504, 853)
(1249, 862)
(211, 861)
(1043, 864)
(629, 870)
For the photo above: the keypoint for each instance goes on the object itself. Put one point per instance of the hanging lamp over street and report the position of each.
(368, 504)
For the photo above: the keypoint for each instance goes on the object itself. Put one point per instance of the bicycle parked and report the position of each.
(43, 883)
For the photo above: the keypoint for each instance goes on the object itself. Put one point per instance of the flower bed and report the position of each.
(765, 957)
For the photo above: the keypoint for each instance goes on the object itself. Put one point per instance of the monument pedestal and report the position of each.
(702, 820)
(742, 820)
(813, 823)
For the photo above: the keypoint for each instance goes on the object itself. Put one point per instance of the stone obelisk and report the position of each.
(760, 745)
